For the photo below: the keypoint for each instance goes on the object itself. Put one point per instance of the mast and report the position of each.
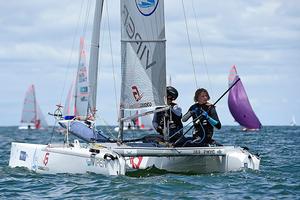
(94, 56)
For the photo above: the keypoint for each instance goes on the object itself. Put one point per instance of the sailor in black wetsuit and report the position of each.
(172, 116)
(205, 118)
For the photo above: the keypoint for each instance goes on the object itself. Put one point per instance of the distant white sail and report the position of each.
(293, 122)
(81, 88)
(41, 121)
(143, 54)
(32, 117)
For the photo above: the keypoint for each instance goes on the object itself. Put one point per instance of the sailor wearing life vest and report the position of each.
(205, 118)
(172, 116)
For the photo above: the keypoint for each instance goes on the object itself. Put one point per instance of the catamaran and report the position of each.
(239, 105)
(32, 116)
(143, 51)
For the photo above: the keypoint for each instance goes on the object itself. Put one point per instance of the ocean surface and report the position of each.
(278, 177)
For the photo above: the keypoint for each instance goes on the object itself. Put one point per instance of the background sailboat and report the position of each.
(76, 104)
(32, 117)
(239, 105)
(293, 122)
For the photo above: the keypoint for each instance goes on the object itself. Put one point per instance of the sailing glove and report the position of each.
(204, 114)
(209, 119)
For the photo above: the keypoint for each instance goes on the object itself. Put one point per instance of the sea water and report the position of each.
(278, 177)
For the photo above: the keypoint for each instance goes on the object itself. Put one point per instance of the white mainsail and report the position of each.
(143, 54)
(69, 109)
(29, 107)
(81, 88)
(41, 121)
(293, 122)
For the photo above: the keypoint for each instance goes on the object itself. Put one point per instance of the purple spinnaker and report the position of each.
(239, 104)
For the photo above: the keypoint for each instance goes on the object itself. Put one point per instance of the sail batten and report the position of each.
(239, 105)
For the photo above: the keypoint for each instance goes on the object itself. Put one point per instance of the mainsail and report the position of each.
(69, 107)
(239, 104)
(77, 98)
(81, 88)
(143, 52)
(32, 117)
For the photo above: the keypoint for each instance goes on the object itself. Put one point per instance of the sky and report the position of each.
(40, 39)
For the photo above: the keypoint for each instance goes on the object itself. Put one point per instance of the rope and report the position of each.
(106, 124)
(112, 60)
(202, 47)
(189, 41)
(71, 55)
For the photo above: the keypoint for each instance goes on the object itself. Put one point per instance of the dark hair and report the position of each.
(171, 91)
(198, 92)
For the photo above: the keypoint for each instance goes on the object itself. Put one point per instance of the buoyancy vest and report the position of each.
(174, 120)
(203, 128)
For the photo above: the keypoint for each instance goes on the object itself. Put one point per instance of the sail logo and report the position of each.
(23, 155)
(136, 162)
(146, 7)
(142, 49)
(136, 94)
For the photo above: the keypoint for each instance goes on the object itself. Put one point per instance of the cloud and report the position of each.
(39, 44)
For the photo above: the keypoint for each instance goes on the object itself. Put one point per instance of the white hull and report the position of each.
(188, 159)
(79, 159)
(65, 159)
(27, 127)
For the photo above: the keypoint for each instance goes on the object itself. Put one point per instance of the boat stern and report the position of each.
(240, 158)
(24, 155)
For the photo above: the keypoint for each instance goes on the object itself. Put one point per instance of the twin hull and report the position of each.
(111, 159)
(63, 159)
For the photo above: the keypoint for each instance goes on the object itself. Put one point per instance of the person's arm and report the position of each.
(187, 115)
(177, 110)
(212, 118)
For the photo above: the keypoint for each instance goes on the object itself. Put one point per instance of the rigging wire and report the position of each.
(71, 55)
(112, 59)
(109, 130)
(190, 46)
(68, 66)
(202, 46)
(88, 10)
